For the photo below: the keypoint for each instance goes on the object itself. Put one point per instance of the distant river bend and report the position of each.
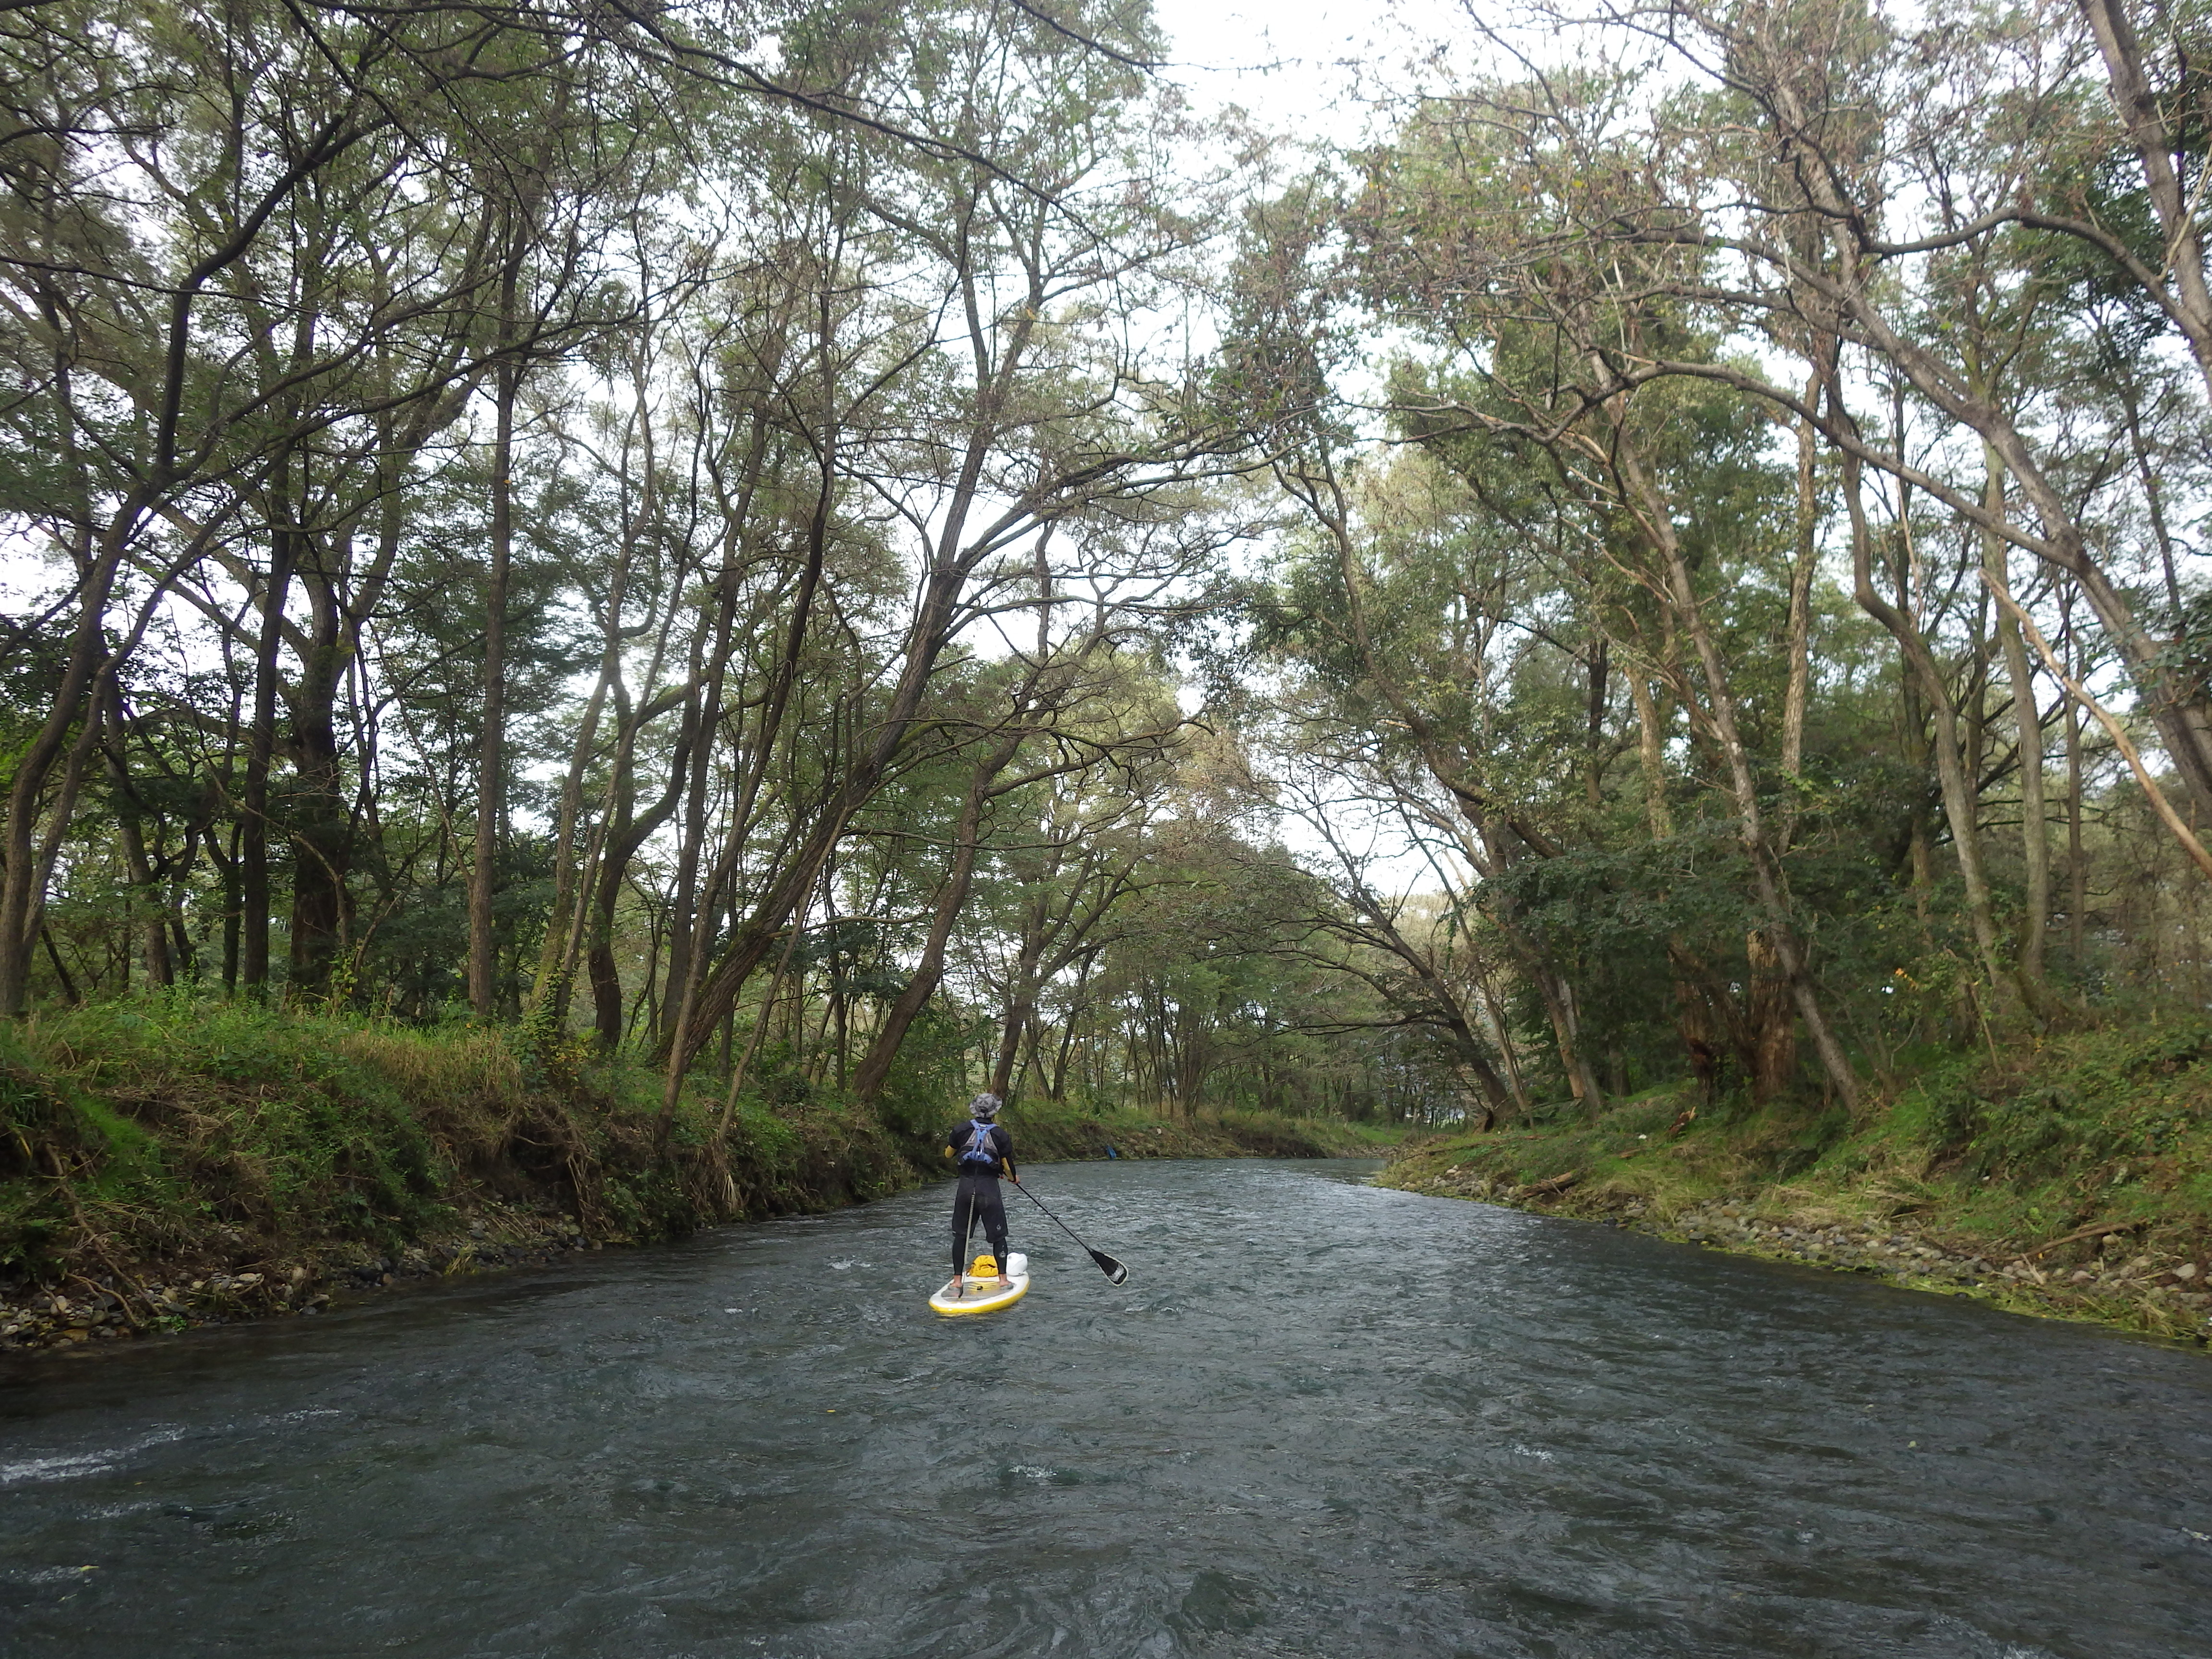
(1322, 1419)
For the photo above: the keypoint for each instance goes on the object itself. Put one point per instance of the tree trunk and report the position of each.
(1594, 724)
(1800, 645)
(707, 721)
(1021, 991)
(876, 1065)
(491, 756)
(228, 868)
(145, 892)
(321, 828)
(1772, 1030)
(1959, 806)
(626, 832)
(261, 744)
(22, 887)
(549, 994)
(2189, 302)
(1655, 515)
(2027, 723)
(1494, 1005)
(2077, 871)
(1699, 1018)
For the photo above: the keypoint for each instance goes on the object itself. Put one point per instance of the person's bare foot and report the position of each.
(1005, 1283)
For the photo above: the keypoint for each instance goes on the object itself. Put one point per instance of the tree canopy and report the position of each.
(867, 549)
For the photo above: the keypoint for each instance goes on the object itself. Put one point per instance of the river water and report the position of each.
(1322, 1418)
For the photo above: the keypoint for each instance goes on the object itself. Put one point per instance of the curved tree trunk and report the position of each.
(1654, 516)
(875, 1066)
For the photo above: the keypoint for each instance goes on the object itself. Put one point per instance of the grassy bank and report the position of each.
(2071, 1177)
(172, 1161)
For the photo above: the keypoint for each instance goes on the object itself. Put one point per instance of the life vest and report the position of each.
(980, 1157)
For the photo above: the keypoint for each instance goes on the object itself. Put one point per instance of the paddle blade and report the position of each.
(1114, 1272)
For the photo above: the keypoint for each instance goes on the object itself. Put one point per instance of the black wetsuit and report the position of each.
(977, 1197)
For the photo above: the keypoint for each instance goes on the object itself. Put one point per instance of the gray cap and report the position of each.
(985, 1107)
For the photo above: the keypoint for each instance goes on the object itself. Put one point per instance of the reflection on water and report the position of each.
(1322, 1418)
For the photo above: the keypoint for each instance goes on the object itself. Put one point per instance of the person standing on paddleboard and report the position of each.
(982, 1151)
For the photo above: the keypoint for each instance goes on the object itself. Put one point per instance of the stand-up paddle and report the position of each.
(1114, 1272)
(956, 1298)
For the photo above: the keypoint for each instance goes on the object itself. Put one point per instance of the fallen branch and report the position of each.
(2076, 1237)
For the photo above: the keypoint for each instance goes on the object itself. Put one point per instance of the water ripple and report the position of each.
(1322, 1419)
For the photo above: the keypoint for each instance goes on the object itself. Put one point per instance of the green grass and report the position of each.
(181, 1129)
(2106, 1130)
(176, 1127)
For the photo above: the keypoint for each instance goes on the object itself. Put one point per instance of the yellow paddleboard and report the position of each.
(983, 1293)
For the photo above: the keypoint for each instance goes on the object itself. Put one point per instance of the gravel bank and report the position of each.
(2104, 1277)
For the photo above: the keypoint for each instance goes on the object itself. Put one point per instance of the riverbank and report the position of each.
(2070, 1178)
(173, 1163)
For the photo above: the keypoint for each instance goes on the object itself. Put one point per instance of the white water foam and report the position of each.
(75, 1466)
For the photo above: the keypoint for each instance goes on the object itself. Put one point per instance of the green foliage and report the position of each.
(174, 1125)
(2078, 1113)
(2111, 1128)
(269, 1122)
(53, 1138)
(927, 1087)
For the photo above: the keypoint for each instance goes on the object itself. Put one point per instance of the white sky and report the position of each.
(1302, 66)
(1308, 70)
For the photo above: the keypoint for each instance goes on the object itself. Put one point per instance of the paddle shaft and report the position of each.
(1113, 1269)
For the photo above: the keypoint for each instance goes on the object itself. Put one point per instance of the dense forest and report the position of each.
(861, 552)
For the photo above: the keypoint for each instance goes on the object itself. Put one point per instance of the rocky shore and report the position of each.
(249, 1282)
(2104, 1276)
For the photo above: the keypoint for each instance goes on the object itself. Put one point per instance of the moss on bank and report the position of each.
(170, 1161)
(2070, 1177)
